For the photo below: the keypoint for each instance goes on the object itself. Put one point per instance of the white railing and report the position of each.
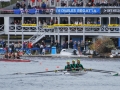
(35, 38)
(2, 29)
(64, 29)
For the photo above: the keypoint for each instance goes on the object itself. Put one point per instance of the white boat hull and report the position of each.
(68, 52)
(75, 72)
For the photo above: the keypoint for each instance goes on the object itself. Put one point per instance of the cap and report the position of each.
(68, 61)
(73, 60)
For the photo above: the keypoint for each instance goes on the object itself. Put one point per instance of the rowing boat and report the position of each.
(75, 72)
(14, 60)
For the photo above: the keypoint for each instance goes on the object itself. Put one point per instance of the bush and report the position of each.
(103, 45)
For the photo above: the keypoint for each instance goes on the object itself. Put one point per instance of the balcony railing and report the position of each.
(89, 28)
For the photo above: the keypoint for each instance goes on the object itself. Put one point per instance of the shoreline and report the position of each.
(55, 55)
(72, 56)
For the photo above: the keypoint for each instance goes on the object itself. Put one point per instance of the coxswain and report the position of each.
(68, 67)
(73, 65)
(79, 66)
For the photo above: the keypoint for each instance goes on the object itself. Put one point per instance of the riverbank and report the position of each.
(55, 55)
(72, 56)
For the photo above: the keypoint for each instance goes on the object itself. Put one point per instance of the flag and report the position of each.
(33, 1)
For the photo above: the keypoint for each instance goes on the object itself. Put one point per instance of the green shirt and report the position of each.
(73, 65)
(68, 67)
(79, 66)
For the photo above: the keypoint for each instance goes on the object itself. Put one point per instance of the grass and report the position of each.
(5, 4)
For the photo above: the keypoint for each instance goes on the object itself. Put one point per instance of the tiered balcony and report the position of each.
(64, 29)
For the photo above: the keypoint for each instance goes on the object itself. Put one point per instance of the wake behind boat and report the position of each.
(73, 73)
(14, 60)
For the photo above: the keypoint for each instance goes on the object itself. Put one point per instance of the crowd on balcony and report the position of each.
(20, 5)
(16, 21)
(44, 7)
(93, 3)
(30, 21)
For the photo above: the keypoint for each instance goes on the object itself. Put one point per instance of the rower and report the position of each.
(68, 67)
(17, 56)
(6, 55)
(79, 66)
(73, 65)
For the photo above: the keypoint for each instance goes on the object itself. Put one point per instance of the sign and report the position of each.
(77, 10)
(110, 10)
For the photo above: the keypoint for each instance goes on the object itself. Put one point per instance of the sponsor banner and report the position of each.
(110, 10)
(78, 10)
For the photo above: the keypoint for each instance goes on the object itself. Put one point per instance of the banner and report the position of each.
(5, 0)
(110, 10)
(78, 10)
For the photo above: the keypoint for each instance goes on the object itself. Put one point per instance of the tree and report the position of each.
(103, 45)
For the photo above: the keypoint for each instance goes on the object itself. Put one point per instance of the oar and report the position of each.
(114, 73)
(39, 72)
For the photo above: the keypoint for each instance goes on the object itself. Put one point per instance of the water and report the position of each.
(58, 81)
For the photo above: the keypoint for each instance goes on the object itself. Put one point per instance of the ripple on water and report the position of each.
(58, 81)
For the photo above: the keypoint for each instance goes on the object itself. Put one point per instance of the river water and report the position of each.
(58, 81)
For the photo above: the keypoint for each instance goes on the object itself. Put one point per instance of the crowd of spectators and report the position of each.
(30, 21)
(76, 3)
(20, 5)
(17, 22)
(17, 46)
(72, 3)
(89, 3)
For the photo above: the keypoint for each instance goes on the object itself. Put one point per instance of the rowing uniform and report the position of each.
(73, 66)
(79, 67)
(68, 68)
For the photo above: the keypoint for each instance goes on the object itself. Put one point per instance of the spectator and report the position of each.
(43, 5)
(23, 5)
(29, 6)
(39, 23)
(98, 22)
(75, 45)
(89, 4)
(63, 4)
(80, 23)
(76, 22)
(18, 5)
(71, 44)
(88, 22)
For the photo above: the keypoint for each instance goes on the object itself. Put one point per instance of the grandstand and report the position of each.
(61, 20)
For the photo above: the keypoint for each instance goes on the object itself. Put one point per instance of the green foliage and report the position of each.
(5, 4)
(103, 45)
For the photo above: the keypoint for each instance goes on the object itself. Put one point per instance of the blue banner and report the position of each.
(78, 10)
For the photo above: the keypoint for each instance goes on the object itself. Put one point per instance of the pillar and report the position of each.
(83, 29)
(109, 20)
(6, 25)
(68, 31)
(118, 42)
(58, 20)
(68, 19)
(100, 20)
